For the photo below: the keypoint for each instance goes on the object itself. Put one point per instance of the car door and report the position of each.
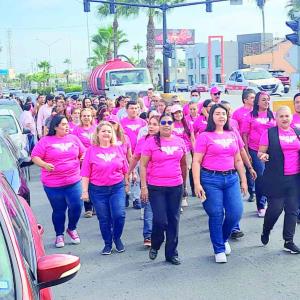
(230, 85)
(240, 83)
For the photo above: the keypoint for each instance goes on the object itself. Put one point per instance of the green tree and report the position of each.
(294, 8)
(138, 49)
(121, 11)
(67, 74)
(103, 41)
(44, 66)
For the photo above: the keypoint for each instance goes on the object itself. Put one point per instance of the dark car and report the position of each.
(12, 165)
(26, 272)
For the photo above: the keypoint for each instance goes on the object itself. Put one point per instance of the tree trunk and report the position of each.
(115, 30)
(150, 45)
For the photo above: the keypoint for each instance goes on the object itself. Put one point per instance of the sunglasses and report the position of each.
(217, 94)
(166, 122)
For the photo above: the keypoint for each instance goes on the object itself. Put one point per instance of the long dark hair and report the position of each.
(185, 125)
(205, 104)
(157, 118)
(100, 113)
(211, 126)
(56, 120)
(255, 110)
(157, 136)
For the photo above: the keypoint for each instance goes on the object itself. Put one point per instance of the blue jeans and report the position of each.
(148, 217)
(259, 168)
(223, 206)
(109, 204)
(61, 199)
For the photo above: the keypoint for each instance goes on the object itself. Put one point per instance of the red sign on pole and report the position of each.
(176, 36)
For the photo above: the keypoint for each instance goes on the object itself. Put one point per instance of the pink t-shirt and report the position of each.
(104, 166)
(219, 150)
(139, 146)
(126, 146)
(296, 121)
(199, 125)
(164, 165)
(290, 146)
(72, 126)
(85, 134)
(186, 109)
(191, 120)
(255, 127)
(131, 128)
(147, 101)
(115, 110)
(178, 130)
(234, 124)
(63, 153)
(239, 115)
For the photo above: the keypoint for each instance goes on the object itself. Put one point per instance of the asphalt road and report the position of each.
(252, 271)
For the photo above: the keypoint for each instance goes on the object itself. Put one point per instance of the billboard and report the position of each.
(176, 36)
(4, 72)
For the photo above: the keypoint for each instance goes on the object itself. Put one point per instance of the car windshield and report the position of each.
(257, 75)
(7, 290)
(8, 124)
(12, 106)
(7, 161)
(127, 77)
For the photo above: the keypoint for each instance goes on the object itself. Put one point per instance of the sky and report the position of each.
(37, 26)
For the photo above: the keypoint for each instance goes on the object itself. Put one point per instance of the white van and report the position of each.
(257, 79)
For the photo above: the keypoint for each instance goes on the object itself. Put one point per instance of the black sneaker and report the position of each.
(106, 250)
(265, 237)
(127, 200)
(252, 198)
(119, 246)
(298, 220)
(137, 204)
(153, 253)
(237, 234)
(291, 247)
(174, 260)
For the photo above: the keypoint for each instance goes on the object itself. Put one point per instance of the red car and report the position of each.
(201, 88)
(26, 272)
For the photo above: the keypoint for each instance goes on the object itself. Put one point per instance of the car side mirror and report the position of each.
(56, 269)
(26, 131)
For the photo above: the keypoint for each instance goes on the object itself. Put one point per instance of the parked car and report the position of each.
(12, 166)
(13, 105)
(26, 271)
(181, 85)
(257, 79)
(200, 87)
(283, 77)
(10, 125)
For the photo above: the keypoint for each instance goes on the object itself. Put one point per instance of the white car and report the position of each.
(10, 125)
(258, 79)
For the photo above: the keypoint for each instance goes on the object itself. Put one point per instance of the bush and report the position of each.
(73, 88)
(44, 91)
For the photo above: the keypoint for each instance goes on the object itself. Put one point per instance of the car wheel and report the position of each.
(226, 92)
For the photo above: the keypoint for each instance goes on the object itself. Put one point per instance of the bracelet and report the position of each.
(143, 187)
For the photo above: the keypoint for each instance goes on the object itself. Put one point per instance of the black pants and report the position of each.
(165, 203)
(288, 201)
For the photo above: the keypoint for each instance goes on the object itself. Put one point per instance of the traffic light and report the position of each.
(86, 6)
(168, 50)
(112, 7)
(208, 6)
(294, 38)
(260, 3)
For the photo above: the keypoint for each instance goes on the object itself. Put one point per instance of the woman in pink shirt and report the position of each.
(163, 171)
(74, 119)
(193, 113)
(255, 124)
(219, 173)
(279, 149)
(58, 154)
(84, 132)
(104, 170)
(201, 122)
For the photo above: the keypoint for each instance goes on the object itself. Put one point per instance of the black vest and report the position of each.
(274, 168)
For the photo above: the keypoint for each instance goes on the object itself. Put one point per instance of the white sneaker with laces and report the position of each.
(227, 248)
(221, 258)
(184, 202)
(59, 241)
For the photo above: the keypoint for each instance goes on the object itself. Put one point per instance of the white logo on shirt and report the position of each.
(289, 139)
(297, 125)
(169, 150)
(107, 156)
(133, 127)
(225, 143)
(87, 135)
(62, 147)
(262, 120)
(179, 130)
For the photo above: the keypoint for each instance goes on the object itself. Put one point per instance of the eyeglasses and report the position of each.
(166, 122)
(217, 94)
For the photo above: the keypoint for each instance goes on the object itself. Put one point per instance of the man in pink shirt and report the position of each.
(44, 113)
(147, 99)
(195, 98)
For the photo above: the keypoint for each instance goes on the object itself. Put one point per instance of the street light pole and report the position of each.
(166, 74)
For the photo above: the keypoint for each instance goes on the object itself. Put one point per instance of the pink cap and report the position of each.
(215, 90)
(175, 108)
(112, 118)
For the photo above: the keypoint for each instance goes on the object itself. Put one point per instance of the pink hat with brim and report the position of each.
(176, 108)
(215, 90)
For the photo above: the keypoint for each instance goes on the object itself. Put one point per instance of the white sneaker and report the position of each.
(59, 241)
(227, 248)
(221, 258)
(184, 202)
(142, 213)
(181, 210)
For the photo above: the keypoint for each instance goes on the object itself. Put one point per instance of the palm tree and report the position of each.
(68, 62)
(67, 73)
(104, 40)
(261, 6)
(294, 8)
(138, 48)
(44, 66)
(121, 11)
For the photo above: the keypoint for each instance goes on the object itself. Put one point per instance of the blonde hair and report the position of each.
(86, 110)
(95, 137)
(284, 108)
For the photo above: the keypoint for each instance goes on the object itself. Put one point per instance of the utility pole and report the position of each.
(9, 48)
(88, 39)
